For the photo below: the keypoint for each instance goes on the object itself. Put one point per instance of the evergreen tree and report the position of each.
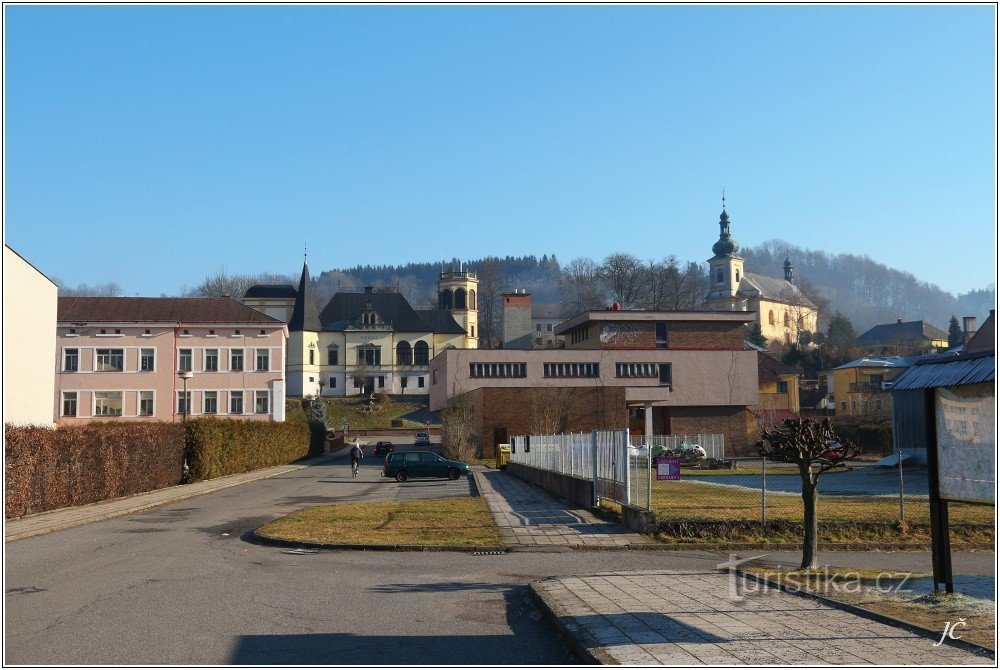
(754, 336)
(841, 332)
(955, 335)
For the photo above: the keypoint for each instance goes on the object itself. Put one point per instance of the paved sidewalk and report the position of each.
(684, 618)
(529, 516)
(70, 517)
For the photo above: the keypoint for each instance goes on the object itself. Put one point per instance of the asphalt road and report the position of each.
(182, 584)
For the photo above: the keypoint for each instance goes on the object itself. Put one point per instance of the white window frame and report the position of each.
(66, 351)
(177, 401)
(76, 404)
(257, 395)
(141, 356)
(93, 403)
(243, 360)
(229, 401)
(190, 357)
(204, 401)
(204, 359)
(138, 402)
(256, 359)
(109, 355)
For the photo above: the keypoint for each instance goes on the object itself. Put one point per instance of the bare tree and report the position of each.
(457, 430)
(550, 409)
(109, 289)
(626, 278)
(581, 284)
(671, 286)
(234, 285)
(493, 281)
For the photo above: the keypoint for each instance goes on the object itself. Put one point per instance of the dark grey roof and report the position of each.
(392, 308)
(947, 370)
(907, 331)
(440, 321)
(772, 288)
(271, 291)
(304, 317)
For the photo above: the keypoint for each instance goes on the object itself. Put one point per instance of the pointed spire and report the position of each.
(304, 316)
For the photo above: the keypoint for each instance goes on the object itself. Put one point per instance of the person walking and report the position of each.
(357, 453)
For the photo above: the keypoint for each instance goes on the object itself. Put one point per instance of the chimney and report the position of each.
(899, 319)
(968, 328)
(369, 289)
(516, 327)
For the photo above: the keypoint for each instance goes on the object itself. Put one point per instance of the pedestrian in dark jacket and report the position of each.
(357, 453)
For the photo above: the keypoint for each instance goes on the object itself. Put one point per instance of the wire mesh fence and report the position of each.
(714, 445)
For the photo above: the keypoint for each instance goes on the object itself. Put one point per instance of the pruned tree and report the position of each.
(581, 285)
(814, 448)
(626, 279)
(550, 409)
(457, 430)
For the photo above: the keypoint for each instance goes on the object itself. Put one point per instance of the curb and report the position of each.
(964, 645)
(552, 613)
(142, 507)
(300, 544)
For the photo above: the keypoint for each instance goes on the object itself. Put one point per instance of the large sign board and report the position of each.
(966, 442)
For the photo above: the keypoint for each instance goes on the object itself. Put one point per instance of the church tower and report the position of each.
(303, 372)
(725, 270)
(457, 294)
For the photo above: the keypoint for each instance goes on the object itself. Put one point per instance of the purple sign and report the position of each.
(668, 469)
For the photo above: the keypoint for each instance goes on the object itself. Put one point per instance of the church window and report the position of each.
(472, 331)
(472, 299)
(445, 299)
(770, 317)
(333, 355)
(421, 353)
(737, 276)
(718, 276)
(312, 358)
(404, 354)
(460, 298)
(788, 321)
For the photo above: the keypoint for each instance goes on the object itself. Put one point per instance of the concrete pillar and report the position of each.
(649, 422)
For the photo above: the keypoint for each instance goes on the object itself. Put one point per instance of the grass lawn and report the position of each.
(858, 586)
(443, 522)
(699, 512)
(359, 418)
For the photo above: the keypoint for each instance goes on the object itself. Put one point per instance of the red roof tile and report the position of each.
(159, 310)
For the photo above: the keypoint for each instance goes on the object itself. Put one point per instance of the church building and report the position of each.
(372, 341)
(783, 311)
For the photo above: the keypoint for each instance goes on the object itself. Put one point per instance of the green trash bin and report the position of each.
(503, 456)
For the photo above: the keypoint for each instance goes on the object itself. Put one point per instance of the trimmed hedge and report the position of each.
(47, 469)
(218, 447)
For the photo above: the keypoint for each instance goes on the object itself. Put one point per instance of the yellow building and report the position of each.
(783, 311)
(372, 341)
(778, 384)
(861, 387)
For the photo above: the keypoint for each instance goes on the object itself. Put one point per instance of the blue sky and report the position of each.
(153, 145)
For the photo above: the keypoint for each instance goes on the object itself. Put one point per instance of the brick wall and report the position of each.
(728, 421)
(705, 335)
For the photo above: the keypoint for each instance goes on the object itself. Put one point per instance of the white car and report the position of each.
(422, 440)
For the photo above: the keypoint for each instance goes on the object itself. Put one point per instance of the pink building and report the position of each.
(122, 358)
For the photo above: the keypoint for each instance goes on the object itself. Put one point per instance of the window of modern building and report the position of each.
(420, 382)
(210, 402)
(333, 355)
(235, 402)
(71, 360)
(782, 387)
(236, 360)
(666, 375)
(107, 403)
(260, 402)
(110, 360)
(548, 327)
(145, 403)
(211, 360)
(636, 370)
(538, 327)
(498, 370)
(263, 360)
(402, 382)
(147, 360)
(661, 334)
(421, 353)
(570, 370)
(183, 360)
(69, 403)
(333, 382)
(183, 402)
(843, 405)
(381, 381)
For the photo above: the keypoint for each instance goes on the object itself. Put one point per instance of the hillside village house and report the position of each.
(369, 342)
(861, 387)
(121, 358)
(904, 338)
(778, 306)
(29, 341)
(670, 372)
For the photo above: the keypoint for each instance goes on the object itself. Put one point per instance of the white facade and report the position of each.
(29, 342)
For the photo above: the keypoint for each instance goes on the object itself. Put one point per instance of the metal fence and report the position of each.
(569, 454)
(714, 445)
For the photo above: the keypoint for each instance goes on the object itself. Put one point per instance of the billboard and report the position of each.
(966, 437)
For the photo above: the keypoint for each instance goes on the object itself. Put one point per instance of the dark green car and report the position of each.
(404, 465)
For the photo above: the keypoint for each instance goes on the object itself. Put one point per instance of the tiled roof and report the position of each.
(770, 369)
(772, 288)
(392, 308)
(271, 291)
(985, 337)
(158, 310)
(907, 331)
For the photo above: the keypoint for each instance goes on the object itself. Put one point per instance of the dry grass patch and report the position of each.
(465, 522)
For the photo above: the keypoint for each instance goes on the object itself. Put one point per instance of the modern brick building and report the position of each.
(653, 372)
(121, 358)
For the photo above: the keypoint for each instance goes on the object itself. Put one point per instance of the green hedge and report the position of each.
(218, 447)
(47, 469)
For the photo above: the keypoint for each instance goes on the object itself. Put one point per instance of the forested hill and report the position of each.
(869, 292)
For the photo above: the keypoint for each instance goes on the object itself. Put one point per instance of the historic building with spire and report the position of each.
(368, 342)
(782, 310)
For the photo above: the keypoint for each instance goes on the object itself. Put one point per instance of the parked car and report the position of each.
(422, 440)
(383, 448)
(411, 464)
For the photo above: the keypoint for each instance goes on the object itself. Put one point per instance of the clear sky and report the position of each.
(153, 145)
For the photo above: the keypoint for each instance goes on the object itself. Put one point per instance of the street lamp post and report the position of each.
(185, 376)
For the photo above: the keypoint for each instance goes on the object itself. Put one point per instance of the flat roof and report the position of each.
(644, 315)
